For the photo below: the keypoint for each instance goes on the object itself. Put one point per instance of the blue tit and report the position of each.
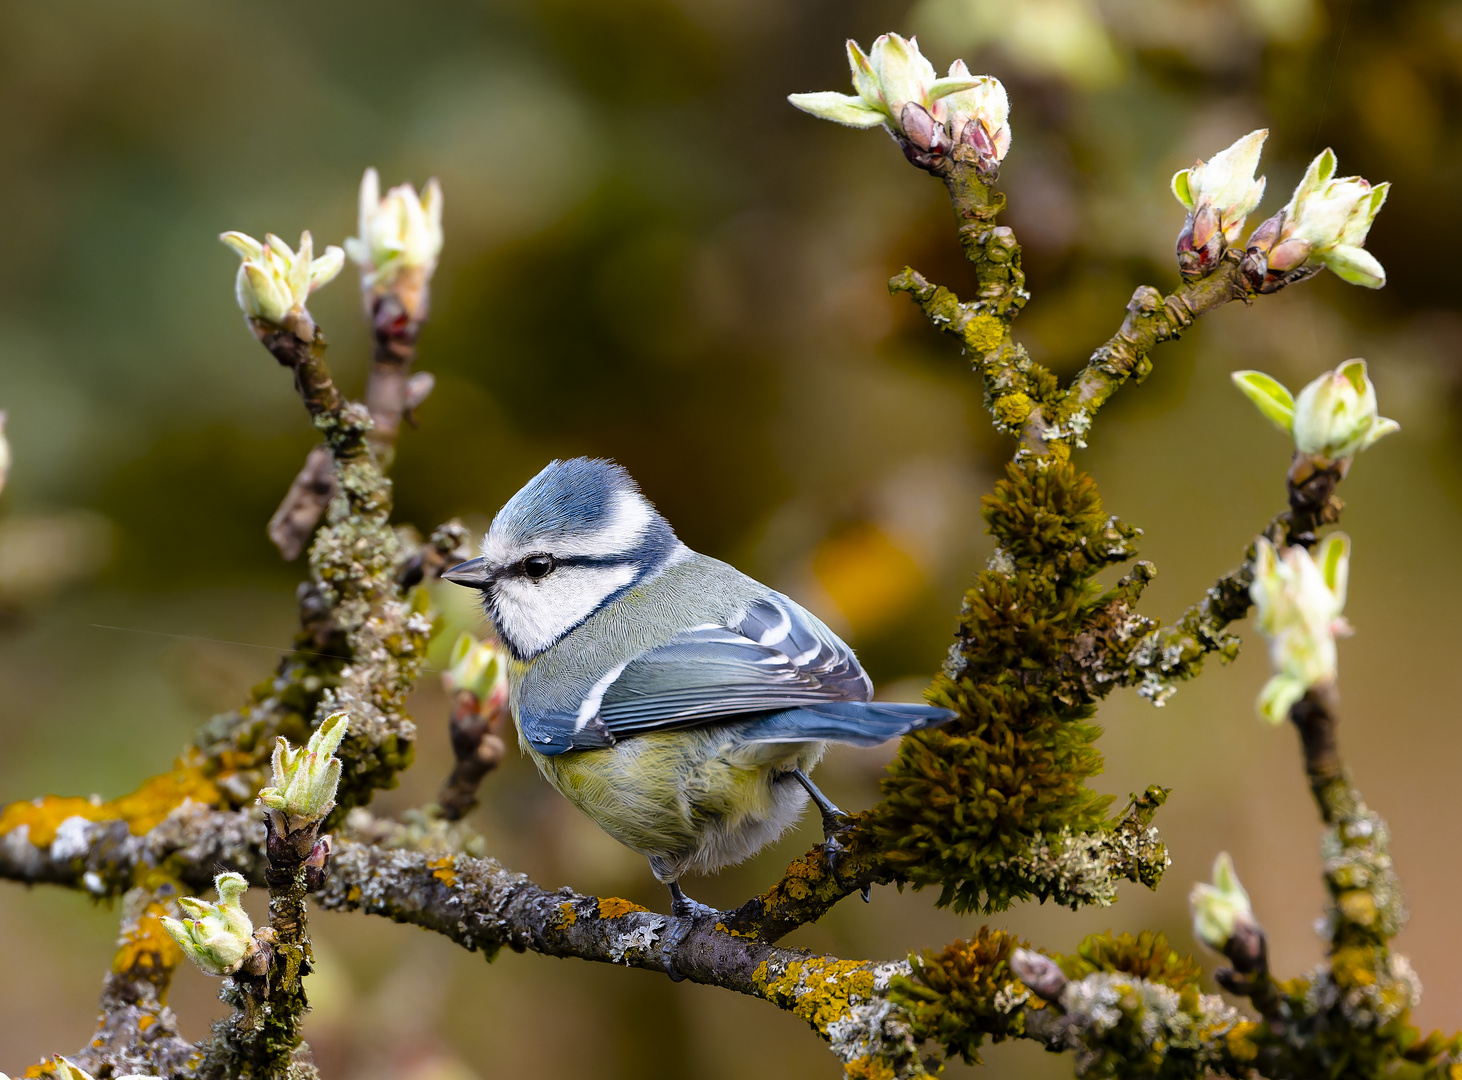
(677, 702)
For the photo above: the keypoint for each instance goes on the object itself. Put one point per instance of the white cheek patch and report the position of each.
(534, 614)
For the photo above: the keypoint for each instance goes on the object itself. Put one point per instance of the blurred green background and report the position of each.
(651, 256)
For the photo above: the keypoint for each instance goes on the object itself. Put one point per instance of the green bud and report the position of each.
(305, 779)
(477, 667)
(1220, 907)
(400, 232)
(1219, 194)
(219, 936)
(896, 87)
(1335, 416)
(1299, 600)
(274, 282)
(1324, 225)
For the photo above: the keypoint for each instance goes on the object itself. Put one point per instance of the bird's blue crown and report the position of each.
(584, 498)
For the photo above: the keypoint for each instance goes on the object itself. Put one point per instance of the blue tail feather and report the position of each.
(862, 723)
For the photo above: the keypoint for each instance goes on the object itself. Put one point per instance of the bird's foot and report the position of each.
(834, 822)
(683, 907)
(687, 912)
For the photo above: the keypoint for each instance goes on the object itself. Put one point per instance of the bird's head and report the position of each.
(572, 540)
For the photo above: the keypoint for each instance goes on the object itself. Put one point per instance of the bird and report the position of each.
(677, 702)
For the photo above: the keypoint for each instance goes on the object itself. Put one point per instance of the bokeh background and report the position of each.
(650, 255)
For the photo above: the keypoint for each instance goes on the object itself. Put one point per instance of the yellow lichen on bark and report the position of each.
(984, 333)
(147, 947)
(819, 990)
(612, 907)
(869, 1068)
(444, 870)
(142, 809)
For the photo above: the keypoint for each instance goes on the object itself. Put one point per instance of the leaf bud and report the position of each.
(219, 936)
(1335, 416)
(399, 233)
(896, 87)
(1324, 225)
(478, 668)
(274, 282)
(305, 779)
(1039, 972)
(1219, 194)
(1221, 910)
(1299, 600)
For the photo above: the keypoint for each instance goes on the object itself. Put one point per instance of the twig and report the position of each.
(304, 504)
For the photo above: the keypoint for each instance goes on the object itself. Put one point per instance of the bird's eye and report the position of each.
(537, 566)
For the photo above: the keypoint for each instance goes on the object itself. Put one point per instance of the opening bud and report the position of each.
(896, 87)
(400, 234)
(1335, 416)
(1299, 598)
(305, 780)
(1219, 194)
(1324, 225)
(274, 282)
(478, 668)
(219, 936)
(1222, 910)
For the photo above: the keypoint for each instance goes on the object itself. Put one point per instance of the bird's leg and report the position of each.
(686, 911)
(683, 907)
(832, 822)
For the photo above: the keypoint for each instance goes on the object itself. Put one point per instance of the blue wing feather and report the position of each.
(779, 666)
(777, 656)
(862, 723)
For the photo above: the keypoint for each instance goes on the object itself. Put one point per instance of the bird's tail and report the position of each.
(862, 723)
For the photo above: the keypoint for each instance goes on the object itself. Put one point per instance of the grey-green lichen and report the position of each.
(1117, 1025)
(847, 1002)
(1078, 869)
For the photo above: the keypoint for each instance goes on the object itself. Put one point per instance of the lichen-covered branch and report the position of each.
(1152, 318)
(136, 1031)
(484, 907)
(107, 857)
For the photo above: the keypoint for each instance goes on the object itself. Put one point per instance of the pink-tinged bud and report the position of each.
(1039, 972)
(925, 142)
(1324, 226)
(317, 863)
(1200, 244)
(1219, 195)
(896, 86)
(1288, 254)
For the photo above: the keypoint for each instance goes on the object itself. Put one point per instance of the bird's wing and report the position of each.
(776, 656)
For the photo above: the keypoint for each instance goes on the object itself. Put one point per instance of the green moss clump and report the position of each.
(1146, 956)
(952, 995)
(963, 804)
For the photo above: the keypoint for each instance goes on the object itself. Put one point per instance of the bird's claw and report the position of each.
(683, 907)
(686, 912)
(832, 847)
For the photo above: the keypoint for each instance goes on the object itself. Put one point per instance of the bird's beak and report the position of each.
(473, 573)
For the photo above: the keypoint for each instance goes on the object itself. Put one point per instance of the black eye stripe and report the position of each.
(519, 569)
